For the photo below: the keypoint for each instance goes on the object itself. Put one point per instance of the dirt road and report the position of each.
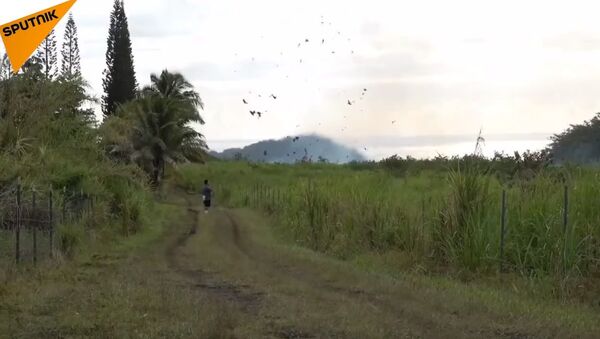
(292, 293)
(223, 275)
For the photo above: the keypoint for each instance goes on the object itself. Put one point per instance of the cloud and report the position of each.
(229, 72)
(574, 42)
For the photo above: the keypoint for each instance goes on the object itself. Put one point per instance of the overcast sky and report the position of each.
(435, 71)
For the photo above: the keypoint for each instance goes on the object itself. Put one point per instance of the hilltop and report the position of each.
(313, 148)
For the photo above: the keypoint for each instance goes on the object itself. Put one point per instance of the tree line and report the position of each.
(148, 127)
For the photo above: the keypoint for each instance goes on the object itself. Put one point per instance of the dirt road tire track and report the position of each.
(230, 293)
(422, 318)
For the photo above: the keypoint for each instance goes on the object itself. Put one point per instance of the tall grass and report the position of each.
(449, 219)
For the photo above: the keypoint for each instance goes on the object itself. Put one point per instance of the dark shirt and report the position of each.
(207, 192)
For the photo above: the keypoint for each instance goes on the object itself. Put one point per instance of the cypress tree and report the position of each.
(47, 57)
(119, 77)
(71, 61)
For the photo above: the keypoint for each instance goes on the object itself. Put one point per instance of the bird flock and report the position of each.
(308, 42)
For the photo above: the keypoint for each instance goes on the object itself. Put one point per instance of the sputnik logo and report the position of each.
(22, 36)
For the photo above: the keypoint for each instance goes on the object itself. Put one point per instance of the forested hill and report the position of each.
(580, 143)
(294, 149)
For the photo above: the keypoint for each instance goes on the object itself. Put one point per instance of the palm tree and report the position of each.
(154, 129)
(174, 86)
(159, 136)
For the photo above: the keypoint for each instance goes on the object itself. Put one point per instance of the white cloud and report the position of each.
(436, 67)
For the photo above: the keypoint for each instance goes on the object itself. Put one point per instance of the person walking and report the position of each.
(207, 194)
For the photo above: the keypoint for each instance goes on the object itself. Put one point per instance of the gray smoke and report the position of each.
(290, 150)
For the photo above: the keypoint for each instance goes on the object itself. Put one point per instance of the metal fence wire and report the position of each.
(28, 218)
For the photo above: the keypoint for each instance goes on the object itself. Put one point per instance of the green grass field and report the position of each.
(438, 221)
(234, 278)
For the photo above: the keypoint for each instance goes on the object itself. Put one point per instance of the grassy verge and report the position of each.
(111, 289)
(506, 295)
(509, 297)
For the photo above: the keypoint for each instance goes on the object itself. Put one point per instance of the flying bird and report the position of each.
(245, 102)
(393, 122)
(323, 41)
(252, 112)
(259, 114)
(349, 103)
(273, 96)
(305, 40)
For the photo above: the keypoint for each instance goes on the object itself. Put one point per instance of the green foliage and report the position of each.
(579, 143)
(119, 81)
(449, 219)
(154, 130)
(176, 87)
(47, 141)
(465, 226)
(505, 167)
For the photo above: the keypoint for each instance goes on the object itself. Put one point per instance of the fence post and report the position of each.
(566, 210)
(502, 229)
(18, 224)
(51, 223)
(33, 226)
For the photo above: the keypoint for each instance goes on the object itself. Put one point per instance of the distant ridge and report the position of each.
(309, 148)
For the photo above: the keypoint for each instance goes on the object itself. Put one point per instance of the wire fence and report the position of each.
(29, 217)
(516, 235)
